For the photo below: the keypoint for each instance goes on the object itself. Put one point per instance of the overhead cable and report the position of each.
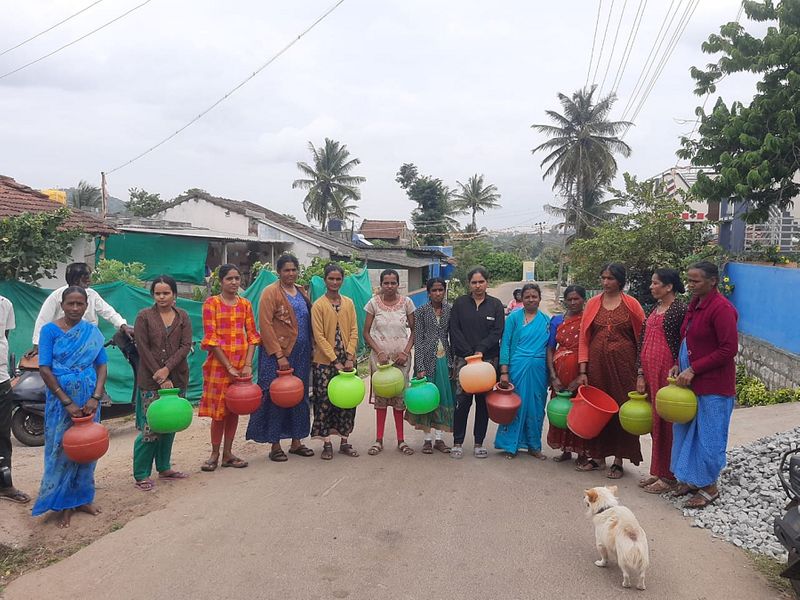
(626, 54)
(603, 43)
(61, 22)
(231, 92)
(613, 46)
(594, 39)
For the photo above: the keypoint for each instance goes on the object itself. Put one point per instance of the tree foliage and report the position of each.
(111, 271)
(432, 218)
(317, 267)
(143, 203)
(85, 196)
(650, 236)
(754, 148)
(332, 189)
(32, 245)
(502, 266)
(475, 197)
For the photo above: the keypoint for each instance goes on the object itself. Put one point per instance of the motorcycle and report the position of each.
(28, 394)
(787, 525)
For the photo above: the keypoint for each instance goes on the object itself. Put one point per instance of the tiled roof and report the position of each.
(383, 230)
(16, 199)
(342, 247)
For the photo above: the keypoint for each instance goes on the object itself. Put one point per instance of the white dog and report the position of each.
(618, 535)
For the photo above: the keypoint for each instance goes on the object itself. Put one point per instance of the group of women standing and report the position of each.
(607, 342)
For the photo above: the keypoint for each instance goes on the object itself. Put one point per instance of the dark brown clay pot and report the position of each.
(85, 441)
(243, 397)
(503, 404)
(286, 390)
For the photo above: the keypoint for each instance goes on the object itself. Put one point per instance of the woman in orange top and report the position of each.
(607, 352)
(230, 337)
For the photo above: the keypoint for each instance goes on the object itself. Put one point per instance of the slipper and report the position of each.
(615, 472)
(684, 488)
(146, 485)
(564, 456)
(376, 448)
(209, 465)
(301, 450)
(456, 452)
(441, 447)
(589, 465)
(15, 496)
(701, 499)
(327, 451)
(427, 447)
(275, 456)
(643, 483)
(348, 450)
(537, 454)
(509, 455)
(173, 476)
(236, 463)
(480, 452)
(405, 448)
(659, 487)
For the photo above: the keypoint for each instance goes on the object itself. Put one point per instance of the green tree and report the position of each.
(580, 154)
(111, 271)
(85, 196)
(143, 203)
(332, 190)
(475, 197)
(650, 236)
(432, 218)
(32, 245)
(317, 267)
(755, 148)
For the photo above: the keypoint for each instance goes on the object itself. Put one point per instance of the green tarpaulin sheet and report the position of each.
(129, 300)
(183, 258)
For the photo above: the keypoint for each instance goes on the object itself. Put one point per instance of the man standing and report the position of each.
(7, 323)
(476, 325)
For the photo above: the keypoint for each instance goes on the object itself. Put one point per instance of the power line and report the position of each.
(23, 42)
(594, 39)
(626, 55)
(603, 43)
(613, 46)
(231, 92)
(83, 37)
(647, 62)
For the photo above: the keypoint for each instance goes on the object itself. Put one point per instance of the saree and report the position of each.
(523, 349)
(72, 356)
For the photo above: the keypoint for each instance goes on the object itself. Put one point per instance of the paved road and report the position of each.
(397, 527)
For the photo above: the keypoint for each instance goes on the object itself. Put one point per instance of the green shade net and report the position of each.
(128, 300)
(182, 258)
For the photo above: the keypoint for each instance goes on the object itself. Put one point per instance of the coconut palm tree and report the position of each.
(86, 196)
(475, 197)
(581, 152)
(332, 190)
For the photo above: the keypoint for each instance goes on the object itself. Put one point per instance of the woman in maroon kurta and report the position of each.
(607, 352)
(658, 353)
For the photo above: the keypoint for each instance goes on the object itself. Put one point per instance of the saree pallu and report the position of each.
(527, 370)
(698, 447)
(66, 484)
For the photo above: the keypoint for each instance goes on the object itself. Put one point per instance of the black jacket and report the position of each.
(476, 328)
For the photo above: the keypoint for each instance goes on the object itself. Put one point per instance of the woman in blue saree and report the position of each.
(523, 362)
(72, 362)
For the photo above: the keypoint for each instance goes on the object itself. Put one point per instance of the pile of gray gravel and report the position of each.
(750, 498)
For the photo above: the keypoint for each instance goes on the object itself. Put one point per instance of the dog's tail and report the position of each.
(632, 548)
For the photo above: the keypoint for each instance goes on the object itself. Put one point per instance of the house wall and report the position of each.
(775, 367)
(82, 251)
(201, 213)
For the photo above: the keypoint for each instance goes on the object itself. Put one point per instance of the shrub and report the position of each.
(751, 391)
(111, 271)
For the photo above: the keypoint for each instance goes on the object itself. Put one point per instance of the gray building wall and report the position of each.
(775, 367)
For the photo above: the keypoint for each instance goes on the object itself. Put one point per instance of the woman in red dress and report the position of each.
(607, 349)
(562, 360)
(658, 353)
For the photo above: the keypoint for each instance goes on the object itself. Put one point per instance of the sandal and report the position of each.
(301, 450)
(14, 495)
(564, 456)
(376, 448)
(235, 462)
(209, 465)
(441, 447)
(327, 451)
(589, 465)
(348, 450)
(684, 488)
(510, 455)
(456, 452)
(659, 486)
(146, 485)
(277, 456)
(537, 454)
(615, 471)
(647, 481)
(480, 452)
(701, 499)
(405, 448)
(173, 475)
(427, 447)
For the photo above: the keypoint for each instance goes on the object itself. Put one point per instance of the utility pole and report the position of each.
(104, 193)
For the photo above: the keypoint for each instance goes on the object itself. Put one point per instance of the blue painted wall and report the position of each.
(767, 300)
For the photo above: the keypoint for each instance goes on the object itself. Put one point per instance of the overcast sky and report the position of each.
(452, 86)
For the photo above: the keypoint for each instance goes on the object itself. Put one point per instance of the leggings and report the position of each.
(380, 414)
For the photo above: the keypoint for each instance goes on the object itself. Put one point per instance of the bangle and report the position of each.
(67, 403)
(55, 391)
(98, 398)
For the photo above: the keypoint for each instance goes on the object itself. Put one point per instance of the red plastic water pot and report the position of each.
(591, 411)
(86, 441)
(286, 390)
(243, 396)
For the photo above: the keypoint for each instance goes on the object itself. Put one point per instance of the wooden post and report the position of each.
(104, 193)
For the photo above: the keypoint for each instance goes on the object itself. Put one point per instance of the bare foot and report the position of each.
(66, 515)
(91, 509)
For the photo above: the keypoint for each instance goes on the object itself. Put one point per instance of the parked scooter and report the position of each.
(787, 526)
(28, 394)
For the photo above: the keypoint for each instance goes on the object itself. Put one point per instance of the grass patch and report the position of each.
(771, 570)
(16, 561)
